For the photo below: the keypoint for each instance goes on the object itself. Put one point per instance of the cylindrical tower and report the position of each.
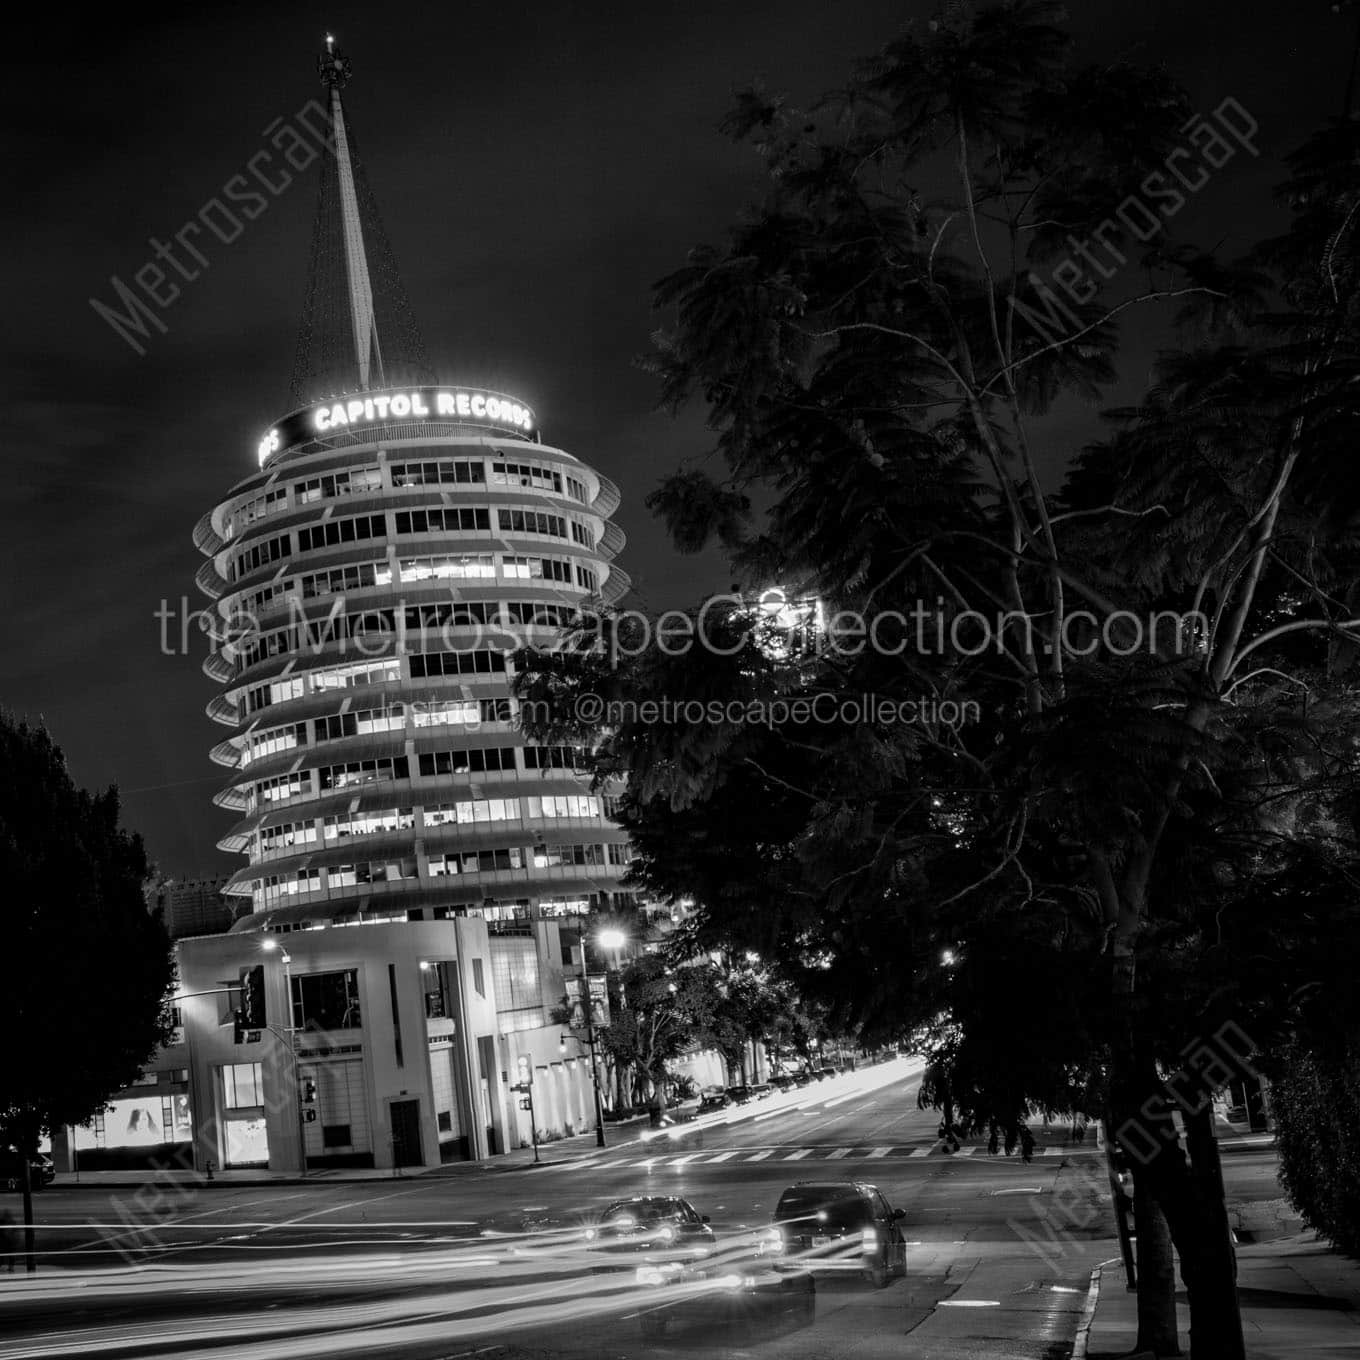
(369, 583)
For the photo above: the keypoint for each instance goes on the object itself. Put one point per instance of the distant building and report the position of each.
(195, 906)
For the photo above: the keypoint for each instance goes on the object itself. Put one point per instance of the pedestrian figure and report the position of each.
(9, 1240)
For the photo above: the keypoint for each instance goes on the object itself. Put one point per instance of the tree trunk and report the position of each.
(1192, 1203)
(1215, 1317)
(1156, 1259)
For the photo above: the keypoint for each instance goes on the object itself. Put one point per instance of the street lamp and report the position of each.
(609, 939)
(270, 945)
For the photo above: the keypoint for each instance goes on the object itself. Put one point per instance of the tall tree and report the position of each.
(89, 966)
(874, 361)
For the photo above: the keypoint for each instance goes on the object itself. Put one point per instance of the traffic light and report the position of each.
(526, 1104)
(252, 997)
(308, 1091)
(250, 1019)
(526, 1071)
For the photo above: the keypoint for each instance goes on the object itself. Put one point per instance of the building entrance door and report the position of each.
(406, 1133)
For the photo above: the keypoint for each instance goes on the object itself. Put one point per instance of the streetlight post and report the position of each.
(588, 1007)
(290, 1039)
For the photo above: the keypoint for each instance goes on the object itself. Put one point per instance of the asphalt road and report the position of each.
(479, 1261)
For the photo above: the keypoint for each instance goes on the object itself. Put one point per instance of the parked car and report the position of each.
(739, 1095)
(782, 1081)
(837, 1227)
(802, 1077)
(41, 1170)
(712, 1101)
(762, 1090)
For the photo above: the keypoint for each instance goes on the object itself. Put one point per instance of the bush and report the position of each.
(1315, 1095)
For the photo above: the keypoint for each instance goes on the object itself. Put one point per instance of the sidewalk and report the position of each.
(558, 1153)
(1299, 1298)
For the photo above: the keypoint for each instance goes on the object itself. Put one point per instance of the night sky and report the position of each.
(538, 168)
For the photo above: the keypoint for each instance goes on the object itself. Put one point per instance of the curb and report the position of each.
(1088, 1313)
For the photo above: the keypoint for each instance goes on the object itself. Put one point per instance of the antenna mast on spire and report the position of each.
(339, 349)
(335, 73)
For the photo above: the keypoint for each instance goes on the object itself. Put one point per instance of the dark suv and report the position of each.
(837, 1227)
(41, 1172)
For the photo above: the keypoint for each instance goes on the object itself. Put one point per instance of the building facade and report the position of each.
(410, 859)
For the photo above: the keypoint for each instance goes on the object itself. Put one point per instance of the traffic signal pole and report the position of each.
(588, 1007)
(525, 1087)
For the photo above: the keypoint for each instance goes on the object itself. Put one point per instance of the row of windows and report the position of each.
(355, 482)
(534, 475)
(431, 764)
(357, 529)
(474, 760)
(351, 773)
(435, 713)
(537, 857)
(269, 503)
(361, 722)
(444, 567)
(375, 871)
(426, 472)
(424, 664)
(440, 472)
(531, 522)
(314, 682)
(260, 555)
(466, 812)
(405, 867)
(450, 519)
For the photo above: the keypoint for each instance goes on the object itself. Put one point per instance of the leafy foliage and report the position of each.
(89, 966)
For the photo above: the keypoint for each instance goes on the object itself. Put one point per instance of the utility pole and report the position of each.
(588, 1008)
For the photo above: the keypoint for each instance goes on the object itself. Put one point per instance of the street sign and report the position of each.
(599, 999)
(526, 1104)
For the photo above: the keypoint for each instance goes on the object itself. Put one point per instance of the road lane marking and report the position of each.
(760, 1156)
(723, 1156)
(799, 1155)
(879, 1152)
(840, 1152)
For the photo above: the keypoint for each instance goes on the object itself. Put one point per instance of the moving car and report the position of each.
(732, 1291)
(837, 1227)
(661, 1224)
(41, 1170)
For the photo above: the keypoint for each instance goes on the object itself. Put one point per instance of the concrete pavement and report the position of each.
(1299, 1298)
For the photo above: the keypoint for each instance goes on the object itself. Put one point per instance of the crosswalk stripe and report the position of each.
(918, 1152)
(721, 1157)
(840, 1152)
(968, 1151)
(760, 1156)
(879, 1152)
(681, 1161)
(796, 1156)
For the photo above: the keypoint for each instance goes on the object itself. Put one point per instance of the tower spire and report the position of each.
(335, 73)
(354, 296)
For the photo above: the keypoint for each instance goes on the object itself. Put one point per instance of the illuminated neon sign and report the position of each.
(461, 405)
